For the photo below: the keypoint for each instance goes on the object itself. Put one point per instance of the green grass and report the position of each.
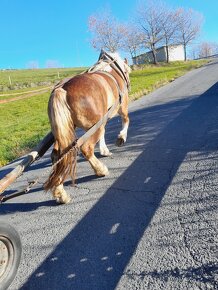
(22, 92)
(33, 77)
(23, 123)
(151, 77)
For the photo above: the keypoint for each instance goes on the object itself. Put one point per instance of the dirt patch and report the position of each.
(24, 96)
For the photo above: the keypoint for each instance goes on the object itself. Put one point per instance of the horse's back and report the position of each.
(88, 97)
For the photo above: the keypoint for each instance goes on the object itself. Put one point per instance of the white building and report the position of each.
(176, 52)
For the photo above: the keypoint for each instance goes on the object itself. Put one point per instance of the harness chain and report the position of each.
(34, 182)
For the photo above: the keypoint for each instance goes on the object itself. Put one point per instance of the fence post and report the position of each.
(10, 80)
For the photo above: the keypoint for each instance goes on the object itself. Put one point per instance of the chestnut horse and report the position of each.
(80, 102)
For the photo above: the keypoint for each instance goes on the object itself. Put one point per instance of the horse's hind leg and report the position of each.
(60, 195)
(123, 112)
(104, 151)
(88, 151)
(55, 153)
(58, 191)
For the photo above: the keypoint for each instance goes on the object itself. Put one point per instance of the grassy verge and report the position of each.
(23, 123)
(150, 77)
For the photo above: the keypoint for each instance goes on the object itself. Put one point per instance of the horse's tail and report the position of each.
(63, 130)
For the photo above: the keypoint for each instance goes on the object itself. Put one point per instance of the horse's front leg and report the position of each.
(123, 112)
(104, 151)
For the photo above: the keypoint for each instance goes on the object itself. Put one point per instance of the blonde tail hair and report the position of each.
(63, 130)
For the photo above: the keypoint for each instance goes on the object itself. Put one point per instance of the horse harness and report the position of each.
(105, 57)
(76, 144)
(109, 61)
(110, 111)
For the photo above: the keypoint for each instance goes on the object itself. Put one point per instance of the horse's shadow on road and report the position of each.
(97, 250)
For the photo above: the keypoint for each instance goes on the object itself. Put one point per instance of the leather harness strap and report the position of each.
(79, 142)
(95, 127)
(106, 57)
(121, 94)
(109, 60)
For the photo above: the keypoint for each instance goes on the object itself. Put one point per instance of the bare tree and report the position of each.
(107, 32)
(206, 49)
(216, 48)
(189, 26)
(170, 27)
(194, 51)
(133, 39)
(150, 18)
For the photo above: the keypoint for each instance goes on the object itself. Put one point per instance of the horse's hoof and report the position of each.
(120, 141)
(103, 172)
(64, 200)
(105, 153)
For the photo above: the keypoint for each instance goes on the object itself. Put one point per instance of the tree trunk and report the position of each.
(185, 53)
(154, 53)
(167, 51)
(132, 56)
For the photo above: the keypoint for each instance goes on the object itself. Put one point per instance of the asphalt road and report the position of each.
(152, 223)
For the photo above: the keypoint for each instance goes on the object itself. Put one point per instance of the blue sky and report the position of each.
(42, 30)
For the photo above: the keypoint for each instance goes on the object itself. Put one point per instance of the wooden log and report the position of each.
(39, 151)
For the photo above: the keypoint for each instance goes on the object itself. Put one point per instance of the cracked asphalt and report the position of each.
(152, 223)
